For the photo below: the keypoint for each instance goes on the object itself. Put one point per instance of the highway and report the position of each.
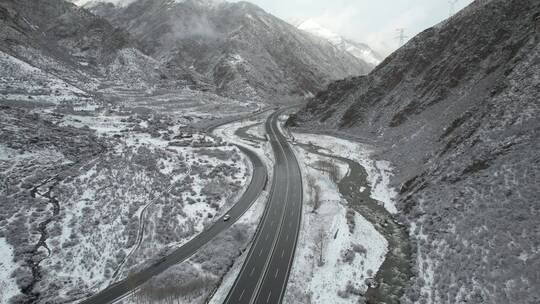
(264, 275)
(122, 288)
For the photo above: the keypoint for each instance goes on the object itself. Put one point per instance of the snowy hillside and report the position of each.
(20, 82)
(237, 48)
(456, 112)
(77, 182)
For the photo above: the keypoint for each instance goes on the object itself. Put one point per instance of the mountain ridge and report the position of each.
(205, 39)
(71, 43)
(456, 111)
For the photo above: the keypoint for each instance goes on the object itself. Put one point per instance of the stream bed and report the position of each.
(394, 274)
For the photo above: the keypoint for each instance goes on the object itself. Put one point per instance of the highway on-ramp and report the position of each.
(265, 272)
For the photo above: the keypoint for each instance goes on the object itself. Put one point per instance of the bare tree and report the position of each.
(315, 190)
(320, 239)
(331, 168)
(333, 171)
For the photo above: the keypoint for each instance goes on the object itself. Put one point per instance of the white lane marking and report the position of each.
(299, 216)
(268, 298)
(251, 272)
(264, 221)
(277, 271)
(241, 295)
(260, 252)
(282, 253)
(280, 226)
(287, 237)
(267, 236)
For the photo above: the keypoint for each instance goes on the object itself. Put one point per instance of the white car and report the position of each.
(226, 217)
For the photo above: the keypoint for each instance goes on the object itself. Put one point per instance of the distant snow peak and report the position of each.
(358, 50)
(314, 28)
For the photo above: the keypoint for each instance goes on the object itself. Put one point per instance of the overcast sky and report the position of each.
(371, 21)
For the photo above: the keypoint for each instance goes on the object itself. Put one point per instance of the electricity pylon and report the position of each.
(401, 36)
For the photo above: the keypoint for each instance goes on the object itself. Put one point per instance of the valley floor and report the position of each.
(351, 247)
(106, 187)
(104, 190)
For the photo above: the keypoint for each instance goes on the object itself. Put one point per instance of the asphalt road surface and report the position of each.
(122, 288)
(264, 275)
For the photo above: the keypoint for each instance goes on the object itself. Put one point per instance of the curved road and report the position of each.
(122, 288)
(264, 275)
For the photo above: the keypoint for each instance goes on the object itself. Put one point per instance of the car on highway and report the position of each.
(226, 217)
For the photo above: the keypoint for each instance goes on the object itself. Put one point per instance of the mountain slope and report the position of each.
(237, 47)
(359, 50)
(71, 43)
(60, 30)
(456, 110)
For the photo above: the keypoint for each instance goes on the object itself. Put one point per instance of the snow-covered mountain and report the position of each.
(456, 110)
(59, 38)
(233, 49)
(359, 50)
(238, 49)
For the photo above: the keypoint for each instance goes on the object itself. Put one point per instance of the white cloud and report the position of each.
(385, 39)
(337, 20)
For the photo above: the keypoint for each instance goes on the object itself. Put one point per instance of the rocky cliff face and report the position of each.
(457, 111)
(237, 48)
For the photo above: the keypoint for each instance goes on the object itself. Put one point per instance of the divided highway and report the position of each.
(122, 288)
(264, 275)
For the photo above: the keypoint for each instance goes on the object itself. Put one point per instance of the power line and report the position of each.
(401, 36)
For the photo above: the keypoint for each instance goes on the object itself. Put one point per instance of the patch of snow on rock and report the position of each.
(8, 287)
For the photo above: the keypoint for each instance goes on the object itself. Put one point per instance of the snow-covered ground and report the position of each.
(333, 259)
(204, 277)
(192, 105)
(8, 287)
(350, 256)
(20, 81)
(190, 195)
(133, 69)
(426, 264)
(379, 171)
(140, 186)
(257, 130)
(263, 149)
